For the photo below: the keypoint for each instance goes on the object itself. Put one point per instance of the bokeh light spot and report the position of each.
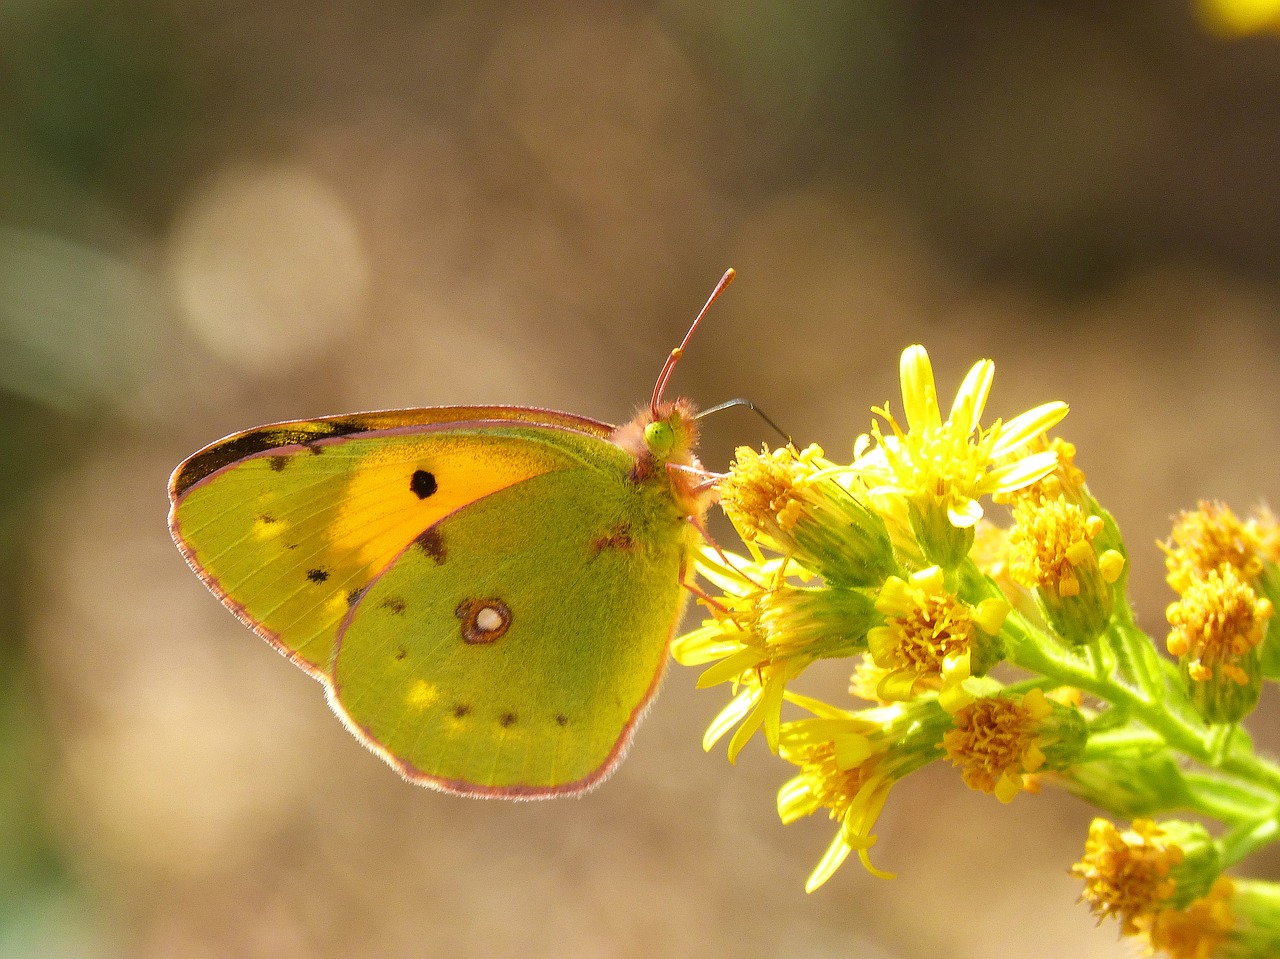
(268, 267)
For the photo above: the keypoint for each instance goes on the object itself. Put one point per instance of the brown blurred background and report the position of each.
(216, 213)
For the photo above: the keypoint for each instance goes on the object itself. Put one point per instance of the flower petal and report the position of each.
(730, 716)
(730, 669)
(831, 860)
(965, 513)
(1019, 430)
(971, 399)
(919, 395)
(1021, 472)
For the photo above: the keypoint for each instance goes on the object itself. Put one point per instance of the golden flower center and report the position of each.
(758, 488)
(833, 788)
(1207, 538)
(936, 626)
(993, 737)
(1218, 620)
(1050, 538)
(1126, 874)
(940, 463)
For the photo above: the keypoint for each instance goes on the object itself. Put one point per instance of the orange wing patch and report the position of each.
(389, 501)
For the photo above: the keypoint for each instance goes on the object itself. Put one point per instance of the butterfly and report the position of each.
(487, 593)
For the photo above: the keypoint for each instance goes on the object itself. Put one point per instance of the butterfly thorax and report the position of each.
(663, 448)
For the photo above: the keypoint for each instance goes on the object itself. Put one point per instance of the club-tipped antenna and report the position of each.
(670, 365)
(742, 401)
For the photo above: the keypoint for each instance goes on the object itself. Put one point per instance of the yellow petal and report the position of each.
(970, 401)
(1021, 472)
(836, 854)
(730, 669)
(965, 513)
(1019, 430)
(919, 395)
(730, 716)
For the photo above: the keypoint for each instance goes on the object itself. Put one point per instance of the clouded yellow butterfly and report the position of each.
(486, 593)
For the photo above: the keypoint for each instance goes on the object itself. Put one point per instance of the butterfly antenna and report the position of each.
(670, 365)
(740, 401)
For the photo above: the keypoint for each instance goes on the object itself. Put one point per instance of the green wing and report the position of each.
(287, 523)
(511, 649)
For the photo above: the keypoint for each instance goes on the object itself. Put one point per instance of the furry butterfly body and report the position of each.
(487, 593)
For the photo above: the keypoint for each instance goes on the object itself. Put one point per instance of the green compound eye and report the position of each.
(659, 437)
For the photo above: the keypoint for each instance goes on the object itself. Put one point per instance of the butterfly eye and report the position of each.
(659, 437)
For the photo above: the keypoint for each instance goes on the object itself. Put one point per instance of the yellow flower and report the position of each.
(1127, 873)
(848, 764)
(932, 640)
(763, 634)
(999, 741)
(1199, 930)
(789, 501)
(1211, 536)
(1051, 551)
(942, 467)
(1137, 873)
(1217, 628)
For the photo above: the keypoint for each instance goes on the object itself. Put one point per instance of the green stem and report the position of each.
(1166, 713)
(1248, 838)
(1229, 801)
(1135, 652)
(1113, 742)
(1032, 650)
(1220, 742)
(1255, 769)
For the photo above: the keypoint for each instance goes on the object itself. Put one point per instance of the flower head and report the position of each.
(931, 639)
(1135, 873)
(999, 741)
(1051, 551)
(848, 763)
(1217, 628)
(942, 467)
(764, 633)
(789, 501)
(1211, 536)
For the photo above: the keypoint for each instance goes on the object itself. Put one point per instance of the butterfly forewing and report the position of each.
(287, 536)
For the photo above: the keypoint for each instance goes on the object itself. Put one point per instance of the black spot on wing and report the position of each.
(508, 720)
(461, 710)
(353, 597)
(400, 654)
(317, 575)
(562, 719)
(393, 603)
(422, 484)
(230, 451)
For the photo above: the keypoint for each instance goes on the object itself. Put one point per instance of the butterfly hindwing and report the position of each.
(287, 524)
(510, 649)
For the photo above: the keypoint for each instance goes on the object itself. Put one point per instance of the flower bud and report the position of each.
(1051, 551)
(1217, 629)
(788, 501)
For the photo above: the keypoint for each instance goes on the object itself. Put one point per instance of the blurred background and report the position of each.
(217, 213)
